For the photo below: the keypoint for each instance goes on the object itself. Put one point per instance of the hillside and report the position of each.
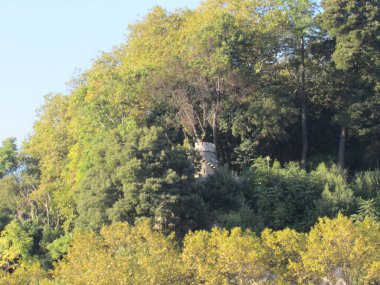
(236, 143)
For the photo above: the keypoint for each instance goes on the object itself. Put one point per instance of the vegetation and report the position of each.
(104, 191)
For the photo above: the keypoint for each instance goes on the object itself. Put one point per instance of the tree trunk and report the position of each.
(342, 147)
(215, 115)
(303, 107)
(215, 128)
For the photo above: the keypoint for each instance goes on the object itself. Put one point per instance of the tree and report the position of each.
(9, 196)
(8, 157)
(355, 28)
(139, 175)
(49, 145)
(282, 196)
(17, 200)
(223, 257)
(16, 244)
(198, 73)
(122, 254)
(26, 274)
(340, 249)
(87, 262)
(282, 251)
(261, 121)
(300, 28)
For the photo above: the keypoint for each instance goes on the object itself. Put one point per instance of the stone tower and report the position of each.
(209, 160)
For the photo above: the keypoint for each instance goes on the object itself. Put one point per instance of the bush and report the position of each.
(282, 196)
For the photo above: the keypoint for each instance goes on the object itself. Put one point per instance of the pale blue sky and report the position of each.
(43, 43)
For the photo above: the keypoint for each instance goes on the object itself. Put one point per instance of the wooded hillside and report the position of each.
(105, 191)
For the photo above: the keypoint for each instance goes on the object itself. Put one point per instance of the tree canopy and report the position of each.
(106, 189)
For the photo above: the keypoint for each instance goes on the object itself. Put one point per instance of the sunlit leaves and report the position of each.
(8, 156)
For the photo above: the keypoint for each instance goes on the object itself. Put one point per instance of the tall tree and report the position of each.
(49, 145)
(355, 27)
(300, 25)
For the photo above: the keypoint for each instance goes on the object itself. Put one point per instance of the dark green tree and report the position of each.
(140, 175)
(355, 27)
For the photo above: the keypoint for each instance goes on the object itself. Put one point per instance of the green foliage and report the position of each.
(122, 255)
(337, 195)
(282, 196)
(10, 195)
(339, 248)
(367, 184)
(222, 191)
(282, 250)
(140, 175)
(262, 118)
(355, 29)
(59, 247)
(269, 195)
(223, 257)
(229, 71)
(244, 217)
(355, 26)
(8, 157)
(16, 244)
(334, 249)
(368, 209)
(31, 274)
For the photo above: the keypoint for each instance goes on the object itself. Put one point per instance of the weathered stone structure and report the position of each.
(209, 160)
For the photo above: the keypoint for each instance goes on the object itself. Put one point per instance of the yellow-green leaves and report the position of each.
(121, 255)
(222, 257)
(16, 242)
(31, 274)
(334, 249)
(282, 252)
(340, 248)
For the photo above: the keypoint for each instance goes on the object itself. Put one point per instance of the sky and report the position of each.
(44, 43)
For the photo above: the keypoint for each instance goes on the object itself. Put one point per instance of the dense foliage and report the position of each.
(333, 250)
(104, 191)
